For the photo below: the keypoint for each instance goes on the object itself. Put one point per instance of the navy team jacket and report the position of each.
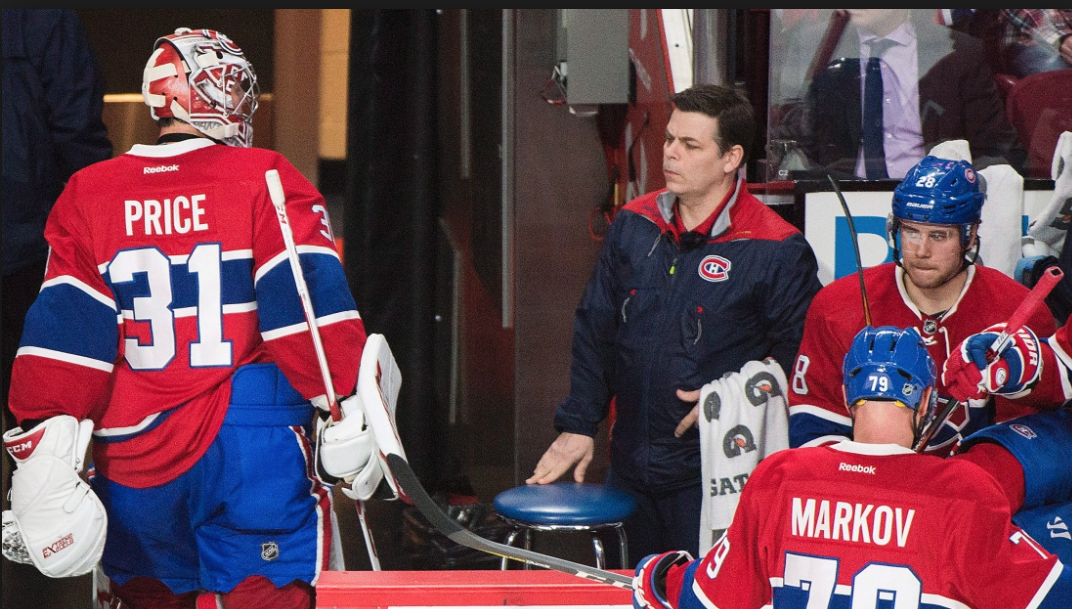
(654, 319)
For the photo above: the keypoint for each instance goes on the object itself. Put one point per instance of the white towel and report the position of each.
(1001, 231)
(954, 150)
(1050, 226)
(743, 418)
(1000, 234)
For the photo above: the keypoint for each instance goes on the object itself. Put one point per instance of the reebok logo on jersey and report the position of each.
(160, 169)
(859, 469)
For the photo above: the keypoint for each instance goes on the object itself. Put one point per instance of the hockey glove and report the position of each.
(56, 522)
(345, 451)
(649, 583)
(1014, 373)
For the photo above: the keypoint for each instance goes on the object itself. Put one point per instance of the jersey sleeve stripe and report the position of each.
(284, 331)
(66, 305)
(822, 413)
(236, 255)
(82, 286)
(282, 258)
(1047, 584)
(335, 318)
(66, 357)
(279, 305)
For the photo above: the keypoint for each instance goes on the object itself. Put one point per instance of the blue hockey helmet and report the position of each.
(888, 363)
(939, 191)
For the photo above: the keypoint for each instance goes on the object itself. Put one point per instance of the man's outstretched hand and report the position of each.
(567, 449)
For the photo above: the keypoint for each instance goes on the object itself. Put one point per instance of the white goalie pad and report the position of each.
(378, 383)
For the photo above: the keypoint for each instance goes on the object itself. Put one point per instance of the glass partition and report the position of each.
(866, 93)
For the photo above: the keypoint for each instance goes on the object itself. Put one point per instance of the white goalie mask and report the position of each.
(202, 78)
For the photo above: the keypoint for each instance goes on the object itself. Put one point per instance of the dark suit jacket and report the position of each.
(957, 100)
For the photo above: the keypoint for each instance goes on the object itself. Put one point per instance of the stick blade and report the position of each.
(420, 498)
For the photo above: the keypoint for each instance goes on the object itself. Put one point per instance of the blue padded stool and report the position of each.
(566, 506)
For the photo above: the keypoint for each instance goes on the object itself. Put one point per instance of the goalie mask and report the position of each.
(202, 78)
(938, 191)
(888, 363)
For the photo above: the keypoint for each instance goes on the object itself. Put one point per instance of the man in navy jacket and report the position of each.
(694, 281)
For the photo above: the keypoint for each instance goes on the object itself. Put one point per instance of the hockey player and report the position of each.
(932, 285)
(867, 522)
(170, 329)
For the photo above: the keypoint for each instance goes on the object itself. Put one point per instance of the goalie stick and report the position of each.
(279, 201)
(428, 508)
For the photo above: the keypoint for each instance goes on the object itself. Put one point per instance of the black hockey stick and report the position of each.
(428, 508)
(855, 249)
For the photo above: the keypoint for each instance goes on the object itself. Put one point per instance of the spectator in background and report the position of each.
(934, 86)
(53, 99)
(982, 23)
(1035, 40)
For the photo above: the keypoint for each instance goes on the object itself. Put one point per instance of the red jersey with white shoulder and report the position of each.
(816, 402)
(867, 526)
(167, 272)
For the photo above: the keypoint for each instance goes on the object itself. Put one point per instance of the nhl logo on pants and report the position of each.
(269, 550)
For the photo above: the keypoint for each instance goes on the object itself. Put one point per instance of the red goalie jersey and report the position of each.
(167, 272)
(871, 525)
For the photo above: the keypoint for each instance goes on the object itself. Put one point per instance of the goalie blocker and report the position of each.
(354, 449)
(56, 522)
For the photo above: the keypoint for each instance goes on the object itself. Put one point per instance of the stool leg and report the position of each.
(601, 557)
(528, 546)
(624, 545)
(509, 541)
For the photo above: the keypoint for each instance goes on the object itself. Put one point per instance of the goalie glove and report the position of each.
(1013, 374)
(56, 522)
(346, 452)
(649, 583)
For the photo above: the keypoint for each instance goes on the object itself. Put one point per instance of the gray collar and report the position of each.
(665, 202)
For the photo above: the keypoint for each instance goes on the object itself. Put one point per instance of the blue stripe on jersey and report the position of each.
(278, 303)
(804, 427)
(67, 320)
(236, 285)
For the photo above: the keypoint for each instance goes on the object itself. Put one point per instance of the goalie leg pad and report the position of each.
(378, 382)
(60, 520)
